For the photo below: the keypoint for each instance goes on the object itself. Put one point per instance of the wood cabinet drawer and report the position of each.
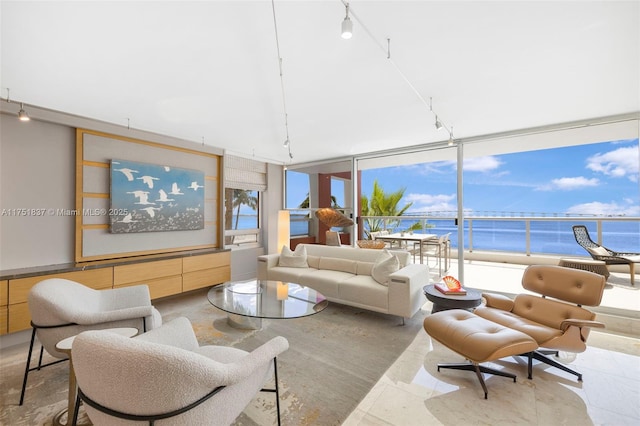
(94, 278)
(19, 317)
(205, 278)
(140, 272)
(4, 316)
(4, 311)
(206, 261)
(4, 293)
(161, 287)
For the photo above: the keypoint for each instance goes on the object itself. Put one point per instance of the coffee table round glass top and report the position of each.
(265, 299)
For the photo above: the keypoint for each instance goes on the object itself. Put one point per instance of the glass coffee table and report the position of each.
(248, 302)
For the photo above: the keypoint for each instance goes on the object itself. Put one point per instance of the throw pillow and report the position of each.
(293, 259)
(599, 251)
(387, 265)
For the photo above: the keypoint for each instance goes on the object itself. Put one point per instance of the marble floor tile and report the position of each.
(413, 392)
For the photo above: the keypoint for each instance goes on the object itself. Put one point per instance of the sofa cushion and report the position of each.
(293, 259)
(326, 281)
(386, 265)
(363, 290)
(598, 251)
(288, 274)
(337, 264)
(313, 261)
(364, 268)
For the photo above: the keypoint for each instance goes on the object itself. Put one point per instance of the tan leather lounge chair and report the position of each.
(556, 319)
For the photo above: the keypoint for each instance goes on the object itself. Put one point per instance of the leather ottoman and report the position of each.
(478, 340)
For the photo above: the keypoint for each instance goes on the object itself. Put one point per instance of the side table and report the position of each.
(65, 346)
(442, 302)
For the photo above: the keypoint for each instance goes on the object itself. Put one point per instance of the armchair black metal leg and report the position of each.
(541, 357)
(275, 373)
(40, 357)
(27, 368)
(276, 389)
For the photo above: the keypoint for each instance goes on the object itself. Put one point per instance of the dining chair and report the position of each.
(436, 248)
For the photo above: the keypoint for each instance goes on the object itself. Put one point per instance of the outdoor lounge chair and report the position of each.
(608, 256)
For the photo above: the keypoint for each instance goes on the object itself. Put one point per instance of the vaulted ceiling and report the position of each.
(209, 70)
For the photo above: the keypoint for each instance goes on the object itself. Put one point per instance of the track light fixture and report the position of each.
(22, 114)
(440, 125)
(347, 25)
(287, 142)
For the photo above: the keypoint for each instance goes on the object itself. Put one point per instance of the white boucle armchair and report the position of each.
(164, 377)
(62, 308)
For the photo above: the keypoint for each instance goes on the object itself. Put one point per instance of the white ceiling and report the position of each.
(209, 69)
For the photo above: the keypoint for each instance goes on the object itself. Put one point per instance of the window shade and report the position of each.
(244, 173)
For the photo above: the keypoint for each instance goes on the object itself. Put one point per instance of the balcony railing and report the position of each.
(524, 234)
(511, 232)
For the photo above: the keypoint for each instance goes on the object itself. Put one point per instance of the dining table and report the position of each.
(406, 237)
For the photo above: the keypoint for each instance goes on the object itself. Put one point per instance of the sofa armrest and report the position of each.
(405, 289)
(266, 262)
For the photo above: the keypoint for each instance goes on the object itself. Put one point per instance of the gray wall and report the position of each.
(37, 171)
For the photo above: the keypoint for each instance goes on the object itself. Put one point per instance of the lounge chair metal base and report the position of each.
(543, 356)
(479, 369)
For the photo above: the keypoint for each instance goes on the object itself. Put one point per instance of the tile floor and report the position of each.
(413, 392)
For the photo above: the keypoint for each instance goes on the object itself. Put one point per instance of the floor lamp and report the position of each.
(284, 232)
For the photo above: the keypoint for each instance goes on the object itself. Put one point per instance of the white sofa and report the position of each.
(344, 275)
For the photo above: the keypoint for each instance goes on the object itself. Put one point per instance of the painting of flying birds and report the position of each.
(155, 197)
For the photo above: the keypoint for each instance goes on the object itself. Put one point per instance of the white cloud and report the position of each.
(438, 167)
(621, 162)
(569, 183)
(475, 164)
(606, 209)
(428, 202)
(481, 164)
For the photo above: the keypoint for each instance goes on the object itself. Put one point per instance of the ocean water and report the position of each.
(546, 237)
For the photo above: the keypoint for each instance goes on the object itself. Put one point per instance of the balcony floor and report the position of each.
(619, 294)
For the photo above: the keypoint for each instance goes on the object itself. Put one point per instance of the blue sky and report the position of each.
(599, 179)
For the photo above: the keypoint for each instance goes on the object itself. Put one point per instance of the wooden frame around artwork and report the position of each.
(94, 150)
